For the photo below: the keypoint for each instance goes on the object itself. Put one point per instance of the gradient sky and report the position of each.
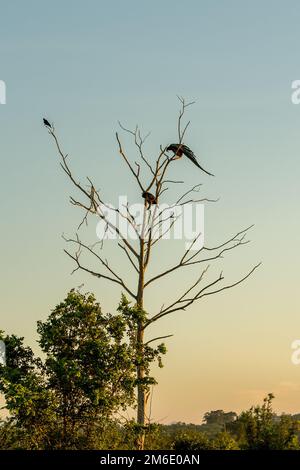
(86, 65)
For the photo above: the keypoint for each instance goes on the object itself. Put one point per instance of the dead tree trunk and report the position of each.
(140, 373)
(141, 402)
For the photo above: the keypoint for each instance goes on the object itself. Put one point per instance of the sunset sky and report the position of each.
(86, 65)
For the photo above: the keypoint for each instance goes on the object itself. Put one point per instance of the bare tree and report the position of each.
(149, 232)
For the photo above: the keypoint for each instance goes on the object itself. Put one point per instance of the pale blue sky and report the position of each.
(86, 65)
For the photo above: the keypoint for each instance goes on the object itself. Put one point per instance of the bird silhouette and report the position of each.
(46, 123)
(181, 149)
(149, 198)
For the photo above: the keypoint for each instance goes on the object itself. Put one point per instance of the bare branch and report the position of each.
(158, 338)
(231, 285)
(139, 142)
(230, 240)
(128, 256)
(116, 278)
(183, 302)
(190, 260)
(135, 173)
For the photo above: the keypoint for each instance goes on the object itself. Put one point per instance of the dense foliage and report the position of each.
(88, 374)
